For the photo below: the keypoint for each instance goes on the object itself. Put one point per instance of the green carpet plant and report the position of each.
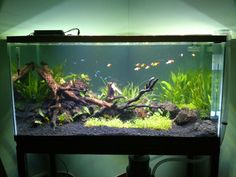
(156, 122)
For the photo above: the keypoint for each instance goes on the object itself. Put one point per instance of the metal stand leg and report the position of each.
(190, 166)
(53, 170)
(21, 163)
(214, 165)
(138, 166)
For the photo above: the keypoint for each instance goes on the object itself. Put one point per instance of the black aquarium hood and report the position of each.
(154, 38)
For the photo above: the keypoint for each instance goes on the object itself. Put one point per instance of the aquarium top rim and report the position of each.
(162, 38)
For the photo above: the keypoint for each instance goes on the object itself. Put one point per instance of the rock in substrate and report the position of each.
(206, 126)
(185, 116)
(169, 107)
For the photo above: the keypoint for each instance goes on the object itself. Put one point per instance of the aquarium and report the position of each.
(168, 86)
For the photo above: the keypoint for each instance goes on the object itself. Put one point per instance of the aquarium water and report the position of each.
(147, 88)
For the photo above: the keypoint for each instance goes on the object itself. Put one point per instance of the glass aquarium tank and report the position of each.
(161, 86)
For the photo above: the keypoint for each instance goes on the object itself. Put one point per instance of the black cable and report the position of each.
(73, 29)
(174, 159)
(64, 164)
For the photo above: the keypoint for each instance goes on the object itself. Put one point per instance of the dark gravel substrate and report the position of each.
(24, 127)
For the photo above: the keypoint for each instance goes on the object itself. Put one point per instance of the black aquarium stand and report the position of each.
(117, 145)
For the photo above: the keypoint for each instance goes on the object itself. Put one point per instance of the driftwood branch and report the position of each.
(149, 87)
(22, 72)
(46, 74)
(133, 106)
(118, 109)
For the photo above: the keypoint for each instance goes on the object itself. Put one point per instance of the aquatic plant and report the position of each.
(64, 118)
(129, 91)
(175, 91)
(201, 93)
(83, 111)
(85, 78)
(61, 78)
(156, 122)
(103, 92)
(43, 115)
(32, 88)
(37, 123)
(190, 89)
(58, 74)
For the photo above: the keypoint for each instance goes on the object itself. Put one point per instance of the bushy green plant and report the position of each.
(32, 87)
(176, 90)
(201, 93)
(102, 92)
(129, 91)
(191, 89)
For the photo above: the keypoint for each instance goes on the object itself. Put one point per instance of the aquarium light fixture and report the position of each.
(54, 32)
(48, 33)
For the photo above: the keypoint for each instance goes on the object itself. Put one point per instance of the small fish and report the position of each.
(143, 65)
(193, 54)
(155, 63)
(82, 60)
(170, 61)
(97, 73)
(74, 62)
(138, 65)
(137, 68)
(109, 65)
(147, 67)
(181, 54)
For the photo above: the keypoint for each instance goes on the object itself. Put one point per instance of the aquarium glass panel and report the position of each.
(117, 88)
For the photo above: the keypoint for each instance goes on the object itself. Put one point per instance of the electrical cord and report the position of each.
(64, 164)
(171, 159)
(73, 29)
(155, 157)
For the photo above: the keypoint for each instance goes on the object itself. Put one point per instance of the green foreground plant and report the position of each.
(156, 122)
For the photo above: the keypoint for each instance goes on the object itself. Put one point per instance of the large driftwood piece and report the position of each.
(47, 76)
(45, 73)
